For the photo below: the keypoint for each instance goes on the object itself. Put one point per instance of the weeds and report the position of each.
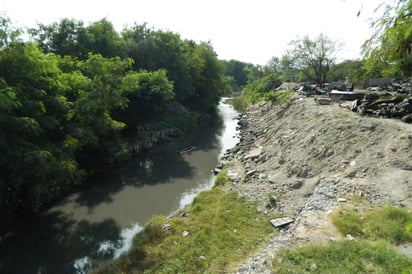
(388, 223)
(218, 231)
(343, 257)
(378, 230)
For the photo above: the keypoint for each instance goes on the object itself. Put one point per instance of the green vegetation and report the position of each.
(378, 229)
(222, 178)
(216, 233)
(388, 52)
(350, 257)
(388, 223)
(80, 98)
(257, 89)
(280, 97)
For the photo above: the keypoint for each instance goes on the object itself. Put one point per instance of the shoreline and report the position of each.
(282, 156)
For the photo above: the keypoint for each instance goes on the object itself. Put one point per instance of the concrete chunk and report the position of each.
(280, 222)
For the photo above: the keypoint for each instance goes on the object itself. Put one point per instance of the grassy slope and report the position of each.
(222, 230)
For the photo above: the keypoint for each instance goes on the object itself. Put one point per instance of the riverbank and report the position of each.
(301, 160)
(305, 160)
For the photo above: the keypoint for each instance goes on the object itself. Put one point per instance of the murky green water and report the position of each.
(97, 222)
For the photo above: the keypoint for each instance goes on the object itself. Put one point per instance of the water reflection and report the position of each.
(98, 221)
(51, 242)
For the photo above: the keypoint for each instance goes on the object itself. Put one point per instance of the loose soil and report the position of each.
(304, 160)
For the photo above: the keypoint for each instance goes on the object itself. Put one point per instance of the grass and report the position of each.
(378, 231)
(344, 257)
(222, 178)
(239, 103)
(280, 97)
(222, 231)
(388, 223)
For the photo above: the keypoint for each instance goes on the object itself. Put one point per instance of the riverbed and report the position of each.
(97, 221)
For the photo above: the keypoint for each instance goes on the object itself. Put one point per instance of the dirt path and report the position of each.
(311, 158)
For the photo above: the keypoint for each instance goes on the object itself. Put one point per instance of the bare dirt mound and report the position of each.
(304, 160)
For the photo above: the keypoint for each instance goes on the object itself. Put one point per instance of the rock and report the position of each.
(346, 95)
(406, 249)
(297, 184)
(313, 267)
(349, 237)
(407, 118)
(401, 164)
(323, 101)
(233, 176)
(254, 152)
(251, 172)
(166, 227)
(281, 222)
(216, 170)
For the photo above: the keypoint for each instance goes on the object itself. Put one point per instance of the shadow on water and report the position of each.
(107, 205)
(55, 241)
(160, 165)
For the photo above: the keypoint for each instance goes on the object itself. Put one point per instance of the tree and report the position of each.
(236, 69)
(59, 38)
(36, 159)
(317, 55)
(390, 46)
(147, 94)
(71, 37)
(8, 33)
(349, 70)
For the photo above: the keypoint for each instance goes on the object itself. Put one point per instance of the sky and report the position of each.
(243, 30)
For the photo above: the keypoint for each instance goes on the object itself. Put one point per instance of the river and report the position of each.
(97, 222)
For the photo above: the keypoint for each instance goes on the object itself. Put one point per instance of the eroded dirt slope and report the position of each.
(311, 158)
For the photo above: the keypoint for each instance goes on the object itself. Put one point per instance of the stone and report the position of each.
(406, 249)
(251, 172)
(166, 227)
(216, 170)
(401, 164)
(297, 184)
(323, 101)
(253, 153)
(281, 222)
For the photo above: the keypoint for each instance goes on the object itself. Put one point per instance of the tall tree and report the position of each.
(60, 38)
(236, 69)
(317, 54)
(71, 37)
(390, 45)
(8, 33)
(36, 161)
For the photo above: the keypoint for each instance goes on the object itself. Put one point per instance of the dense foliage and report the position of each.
(77, 98)
(389, 49)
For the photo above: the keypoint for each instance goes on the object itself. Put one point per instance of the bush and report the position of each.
(240, 103)
(222, 178)
(389, 223)
(279, 97)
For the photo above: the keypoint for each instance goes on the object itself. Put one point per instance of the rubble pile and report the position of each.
(397, 106)
(303, 160)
